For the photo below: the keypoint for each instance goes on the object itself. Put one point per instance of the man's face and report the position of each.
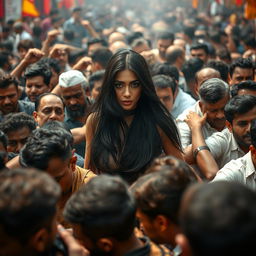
(54, 79)
(11, 246)
(215, 113)
(51, 108)
(96, 89)
(35, 86)
(162, 45)
(61, 170)
(88, 243)
(241, 128)
(165, 95)
(17, 139)
(149, 227)
(241, 74)
(199, 53)
(75, 100)
(9, 99)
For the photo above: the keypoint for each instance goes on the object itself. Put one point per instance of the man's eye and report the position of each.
(47, 111)
(12, 143)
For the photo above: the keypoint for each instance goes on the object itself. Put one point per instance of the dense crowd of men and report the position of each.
(51, 73)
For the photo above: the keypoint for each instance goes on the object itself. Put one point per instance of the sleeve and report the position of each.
(217, 144)
(185, 133)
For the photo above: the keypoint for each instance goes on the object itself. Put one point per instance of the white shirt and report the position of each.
(241, 170)
(185, 132)
(223, 147)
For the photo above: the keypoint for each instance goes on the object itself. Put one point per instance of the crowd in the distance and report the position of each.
(128, 129)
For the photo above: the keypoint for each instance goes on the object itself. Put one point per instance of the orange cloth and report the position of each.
(250, 9)
(80, 177)
(29, 8)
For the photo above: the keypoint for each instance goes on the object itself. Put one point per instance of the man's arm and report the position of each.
(200, 151)
(33, 55)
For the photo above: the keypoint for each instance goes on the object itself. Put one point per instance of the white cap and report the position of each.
(72, 78)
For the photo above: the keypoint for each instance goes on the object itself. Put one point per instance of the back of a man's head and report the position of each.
(213, 90)
(103, 208)
(28, 200)
(43, 145)
(219, 219)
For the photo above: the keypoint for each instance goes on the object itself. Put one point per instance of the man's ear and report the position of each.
(229, 126)
(183, 242)
(162, 222)
(105, 244)
(40, 240)
(253, 151)
(201, 105)
(73, 160)
(35, 116)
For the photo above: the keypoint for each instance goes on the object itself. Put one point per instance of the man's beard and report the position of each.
(79, 111)
(241, 140)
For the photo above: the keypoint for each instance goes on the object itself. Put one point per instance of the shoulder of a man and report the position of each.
(26, 106)
(234, 170)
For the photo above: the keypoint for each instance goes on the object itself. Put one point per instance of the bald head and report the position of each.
(116, 36)
(117, 45)
(175, 55)
(180, 42)
(205, 74)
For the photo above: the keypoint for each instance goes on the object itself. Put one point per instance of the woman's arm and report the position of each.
(89, 133)
(168, 146)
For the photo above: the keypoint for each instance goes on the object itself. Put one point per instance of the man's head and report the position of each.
(244, 88)
(51, 151)
(175, 55)
(28, 200)
(94, 44)
(8, 95)
(38, 78)
(5, 61)
(3, 150)
(241, 70)
(218, 218)
(220, 66)
(158, 195)
(76, 13)
(205, 74)
(199, 51)
(163, 41)
(18, 127)
(100, 58)
(166, 90)
(214, 95)
(239, 112)
(189, 70)
(55, 69)
(49, 107)
(95, 83)
(106, 196)
(74, 86)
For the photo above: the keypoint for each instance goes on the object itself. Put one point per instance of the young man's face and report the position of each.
(17, 139)
(199, 53)
(241, 128)
(35, 86)
(165, 95)
(62, 170)
(9, 99)
(241, 74)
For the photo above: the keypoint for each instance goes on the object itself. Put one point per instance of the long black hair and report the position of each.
(117, 148)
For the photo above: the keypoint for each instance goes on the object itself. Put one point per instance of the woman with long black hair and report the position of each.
(130, 126)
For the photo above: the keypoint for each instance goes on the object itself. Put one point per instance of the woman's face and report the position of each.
(128, 89)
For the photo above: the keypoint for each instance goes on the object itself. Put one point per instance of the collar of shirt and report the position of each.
(234, 145)
(250, 169)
